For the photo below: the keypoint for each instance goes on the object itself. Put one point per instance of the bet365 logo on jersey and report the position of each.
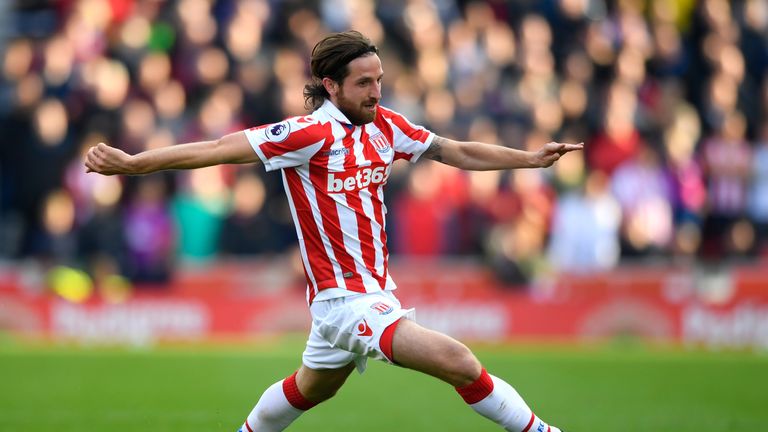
(354, 180)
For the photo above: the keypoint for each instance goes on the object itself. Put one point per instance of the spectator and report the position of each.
(642, 190)
(619, 140)
(591, 245)
(198, 213)
(726, 159)
(758, 194)
(686, 178)
(149, 233)
(421, 214)
(247, 230)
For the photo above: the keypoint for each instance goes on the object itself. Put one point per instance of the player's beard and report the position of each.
(359, 114)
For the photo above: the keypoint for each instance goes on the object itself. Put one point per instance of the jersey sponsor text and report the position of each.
(354, 180)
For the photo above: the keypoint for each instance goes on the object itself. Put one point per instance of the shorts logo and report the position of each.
(363, 329)
(382, 308)
(278, 132)
(380, 142)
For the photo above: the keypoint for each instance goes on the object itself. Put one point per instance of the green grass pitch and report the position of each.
(606, 388)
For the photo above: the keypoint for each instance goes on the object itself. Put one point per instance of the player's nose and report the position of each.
(375, 92)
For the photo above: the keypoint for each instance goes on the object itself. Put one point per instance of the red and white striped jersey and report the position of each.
(334, 175)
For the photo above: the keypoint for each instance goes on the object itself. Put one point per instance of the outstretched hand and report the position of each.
(552, 151)
(107, 160)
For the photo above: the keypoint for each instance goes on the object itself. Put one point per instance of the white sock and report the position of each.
(504, 406)
(272, 412)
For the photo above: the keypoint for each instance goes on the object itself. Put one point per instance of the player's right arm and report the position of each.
(230, 149)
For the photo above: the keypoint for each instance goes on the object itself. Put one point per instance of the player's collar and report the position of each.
(334, 112)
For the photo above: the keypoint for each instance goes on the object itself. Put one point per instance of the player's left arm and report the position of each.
(477, 156)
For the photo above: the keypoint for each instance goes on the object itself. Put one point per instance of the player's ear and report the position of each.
(331, 86)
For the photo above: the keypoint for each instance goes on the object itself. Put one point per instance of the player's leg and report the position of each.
(443, 357)
(284, 401)
(322, 384)
(324, 370)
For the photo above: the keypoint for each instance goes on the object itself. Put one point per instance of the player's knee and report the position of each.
(465, 367)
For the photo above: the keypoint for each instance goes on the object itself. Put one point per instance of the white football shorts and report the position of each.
(349, 328)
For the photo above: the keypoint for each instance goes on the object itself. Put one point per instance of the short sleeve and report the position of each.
(410, 141)
(289, 143)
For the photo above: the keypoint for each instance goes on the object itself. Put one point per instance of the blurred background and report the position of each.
(658, 230)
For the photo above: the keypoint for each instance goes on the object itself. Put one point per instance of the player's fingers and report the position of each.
(571, 147)
(90, 167)
(93, 160)
(550, 159)
(99, 150)
(91, 156)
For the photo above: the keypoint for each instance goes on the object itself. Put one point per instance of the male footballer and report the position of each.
(335, 163)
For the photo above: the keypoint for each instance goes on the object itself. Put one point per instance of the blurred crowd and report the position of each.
(669, 96)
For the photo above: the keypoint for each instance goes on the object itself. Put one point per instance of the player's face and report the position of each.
(359, 94)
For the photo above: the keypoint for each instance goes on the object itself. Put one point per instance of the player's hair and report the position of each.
(330, 58)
